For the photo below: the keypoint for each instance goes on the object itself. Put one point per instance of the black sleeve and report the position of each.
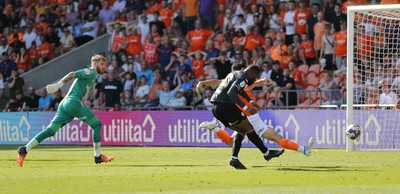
(236, 88)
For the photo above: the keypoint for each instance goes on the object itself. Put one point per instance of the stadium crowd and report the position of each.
(160, 49)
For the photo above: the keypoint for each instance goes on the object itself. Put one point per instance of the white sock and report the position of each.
(96, 147)
(301, 149)
(234, 157)
(33, 143)
(259, 126)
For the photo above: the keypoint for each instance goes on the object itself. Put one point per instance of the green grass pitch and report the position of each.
(197, 170)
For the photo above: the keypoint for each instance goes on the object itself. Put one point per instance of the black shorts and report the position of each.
(228, 114)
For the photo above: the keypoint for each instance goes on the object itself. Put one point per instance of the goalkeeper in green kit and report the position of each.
(71, 107)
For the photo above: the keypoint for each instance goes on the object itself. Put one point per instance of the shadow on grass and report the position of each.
(41, 160)
(320, 168)
(164, 165)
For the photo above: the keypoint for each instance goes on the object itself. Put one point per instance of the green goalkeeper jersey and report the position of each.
(83, 82)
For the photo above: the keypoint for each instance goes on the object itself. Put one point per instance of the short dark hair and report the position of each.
(253, 69)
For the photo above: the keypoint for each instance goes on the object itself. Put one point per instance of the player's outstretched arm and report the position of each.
(51, 88)
(259, 82)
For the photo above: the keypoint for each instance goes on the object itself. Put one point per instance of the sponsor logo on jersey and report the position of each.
(88, 72)
(242, 84)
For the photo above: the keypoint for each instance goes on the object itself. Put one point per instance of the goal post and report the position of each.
(373, 76)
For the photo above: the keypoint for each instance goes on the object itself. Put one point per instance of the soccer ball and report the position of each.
(353, 131)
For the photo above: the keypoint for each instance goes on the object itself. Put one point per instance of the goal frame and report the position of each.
(351, 10)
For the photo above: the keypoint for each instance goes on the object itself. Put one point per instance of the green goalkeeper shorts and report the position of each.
(69, 109)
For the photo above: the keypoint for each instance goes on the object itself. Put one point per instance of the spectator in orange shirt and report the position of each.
(134, 44)
(190, 12)
(319, 32)
(33, 55)
(150, 52)
(198, 37)
(279, 49)
(42, 24)
(307, 47)
(198, 62)
(16, 31)
(254, 39)
(296, 74)
(240, 38)
(45, 52)
(166, 14)
(154, 6)
(348, 3)
(301, 17)
(340, 44)
(23, 61)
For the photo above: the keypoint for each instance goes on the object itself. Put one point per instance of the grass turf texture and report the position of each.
(197, 170)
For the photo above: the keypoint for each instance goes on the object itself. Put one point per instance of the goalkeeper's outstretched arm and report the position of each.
(51, 88)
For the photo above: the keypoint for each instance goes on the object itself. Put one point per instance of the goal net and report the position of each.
(373, 76)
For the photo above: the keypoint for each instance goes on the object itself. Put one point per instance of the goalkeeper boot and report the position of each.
(273, 154)
(103, 158)
(21, 155)
(209, 125)
(237, 164)
(308, 147)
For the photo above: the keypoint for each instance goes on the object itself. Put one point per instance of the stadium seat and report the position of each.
(303, 69)
(312, 79)
(302, 96)
(315, 69)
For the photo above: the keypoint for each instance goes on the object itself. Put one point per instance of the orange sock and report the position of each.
(224, 136)
(288, 144)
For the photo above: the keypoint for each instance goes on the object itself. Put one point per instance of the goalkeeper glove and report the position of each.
(51, 88)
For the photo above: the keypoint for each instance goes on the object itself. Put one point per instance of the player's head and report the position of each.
(99, 63)
(253, 73)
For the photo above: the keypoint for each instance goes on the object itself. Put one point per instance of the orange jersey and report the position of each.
(134, 45)
(190, 7)
(346, 4)
(166, 16)
(45, 50)
(246, 102)
(25, 65)
(40, 25)
(198, 39)
(20, 38)
(298, 78)
(300, 17)
(239, 41)
(253, 42)
(198, 67)
(177, 4)
(154, 8)
(319, 32)
(308, 48)
(341, 43)
(275, 52)
(33, 54)
(156, 37)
